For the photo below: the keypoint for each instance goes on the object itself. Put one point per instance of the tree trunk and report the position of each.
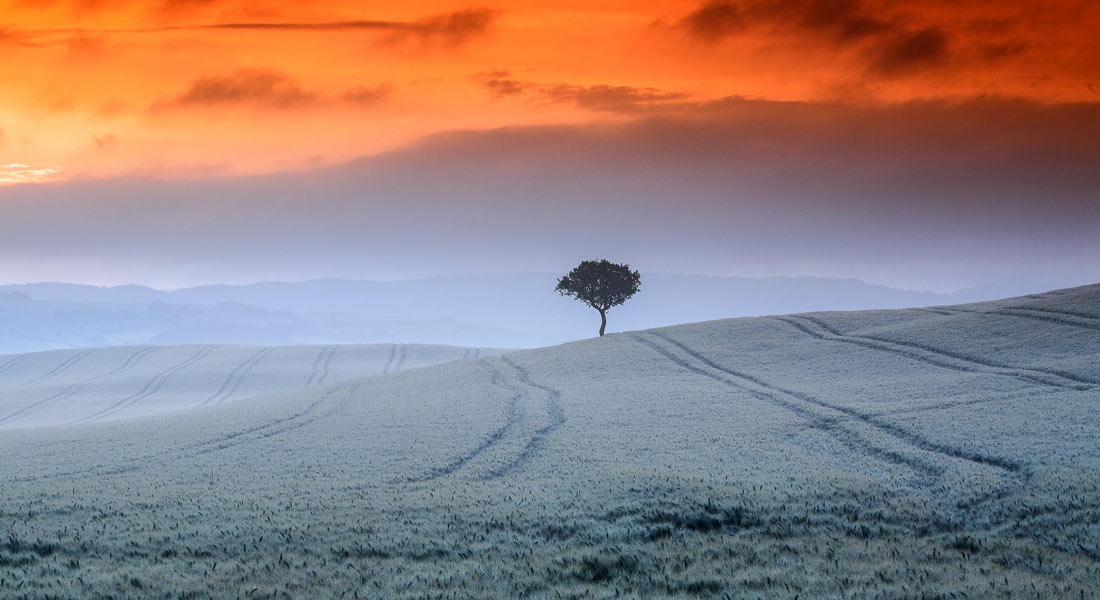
(603, 321)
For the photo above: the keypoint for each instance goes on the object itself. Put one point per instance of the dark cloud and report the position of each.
(599, 97)
(251, 87)
(452, 28)
(500, 83)
(611, 98)
(910, 52)
(366, 96)
(266, 89)
(449, 28)
(843, 20)
(893, 39)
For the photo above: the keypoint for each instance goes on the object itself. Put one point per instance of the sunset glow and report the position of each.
(183, 88)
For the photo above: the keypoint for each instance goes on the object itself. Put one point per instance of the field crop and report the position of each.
(90, 385)
(951, 453)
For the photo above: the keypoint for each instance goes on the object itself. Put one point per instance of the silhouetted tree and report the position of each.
(600, 284)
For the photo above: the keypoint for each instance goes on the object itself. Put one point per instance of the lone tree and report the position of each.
(600, 284)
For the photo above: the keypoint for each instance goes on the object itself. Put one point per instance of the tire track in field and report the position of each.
(939, 357)
(401, 355)
(1051, 316)
(513, 415)
(131, 362)
(22, 412)
(151, 387)
(12, 362)
(233, 381)
(59, 369)
(320, 364)
(787, 400)
(328, 363)
(797, 402)
(323, 407)
(393, 354)
(555, 419)
(943, 312)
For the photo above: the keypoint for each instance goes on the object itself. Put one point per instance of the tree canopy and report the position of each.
(600, 284)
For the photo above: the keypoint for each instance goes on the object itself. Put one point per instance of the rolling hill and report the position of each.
(946, 452)
(99, 384)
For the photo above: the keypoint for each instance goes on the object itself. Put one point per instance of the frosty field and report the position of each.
(948, 452)
(101, 384)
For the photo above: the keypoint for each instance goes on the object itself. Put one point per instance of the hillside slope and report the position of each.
(943, 453)
(99, 384)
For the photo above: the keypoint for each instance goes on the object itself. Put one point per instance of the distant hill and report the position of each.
(517, 310)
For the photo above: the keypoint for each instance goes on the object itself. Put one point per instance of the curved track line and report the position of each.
(65, 393)
(325, 366)
(1050, 316)
(233, 381)
(512, 416)
(888, 428)
(401, 356)
(151, 387)
(61, 368)
(393, 354)
(817, 421)
(935, 311)
(131, 362)
(939, 357)
(11, 363)
(308, 415)
(554, 413)
(317, 366)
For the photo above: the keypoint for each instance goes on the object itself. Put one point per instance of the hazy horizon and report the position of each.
(1025, 286)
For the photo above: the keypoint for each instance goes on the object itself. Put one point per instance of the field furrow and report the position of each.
(233, 382)
(151, 387)
(939, 357)
(60, 368)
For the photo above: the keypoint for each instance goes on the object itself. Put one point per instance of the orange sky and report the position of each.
(195, 88)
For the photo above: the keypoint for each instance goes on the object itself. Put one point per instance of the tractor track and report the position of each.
(325, 366)
(12, 362)
(402, 354)
(1050, 316)
(393, 354)
(130, 362)
(798, 403)
(513, 415)
(939, 357)
(233, 381)
(151, 387)
(326, 405)
(555, 415)
(59, 369)
(320, 366)
(22, 412)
